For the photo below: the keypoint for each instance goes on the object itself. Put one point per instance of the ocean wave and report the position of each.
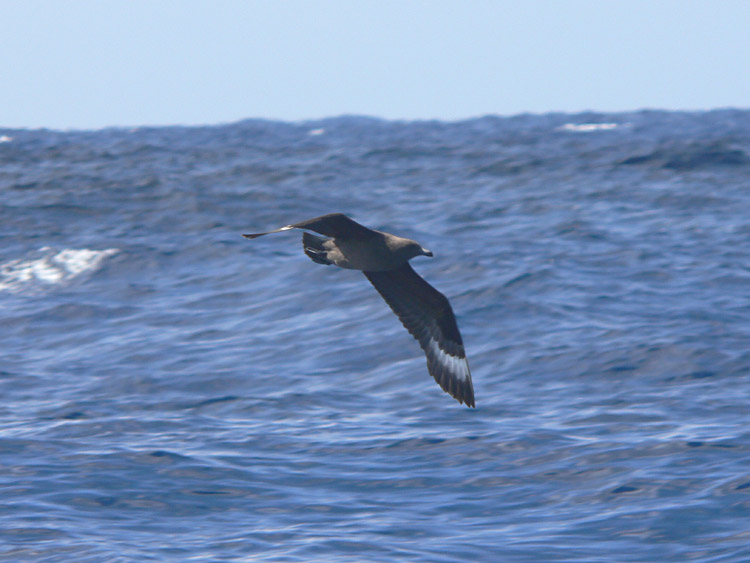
(48, 267)
(588, 127)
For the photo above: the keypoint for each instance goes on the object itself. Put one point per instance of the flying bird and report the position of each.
(384, 260)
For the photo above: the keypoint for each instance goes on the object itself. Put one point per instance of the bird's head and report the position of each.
(413, 249)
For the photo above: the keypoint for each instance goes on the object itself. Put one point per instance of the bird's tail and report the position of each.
(314, 248)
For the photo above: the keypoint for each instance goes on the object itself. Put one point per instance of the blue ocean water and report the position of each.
(172, 391)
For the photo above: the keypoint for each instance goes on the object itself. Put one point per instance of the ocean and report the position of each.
(174, 392)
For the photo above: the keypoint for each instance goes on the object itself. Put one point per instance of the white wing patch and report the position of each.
(457, 367)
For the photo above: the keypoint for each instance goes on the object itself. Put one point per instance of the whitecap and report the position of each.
(50, 267)
(588, 127)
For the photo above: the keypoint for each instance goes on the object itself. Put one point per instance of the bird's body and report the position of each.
(376, 253)
(384, 260)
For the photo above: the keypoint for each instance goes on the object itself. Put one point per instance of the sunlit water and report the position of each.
(171, 391)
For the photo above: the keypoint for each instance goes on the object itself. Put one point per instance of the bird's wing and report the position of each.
(428, 316)
(331, 225)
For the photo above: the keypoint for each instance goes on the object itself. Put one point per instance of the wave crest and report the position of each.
(50, 267)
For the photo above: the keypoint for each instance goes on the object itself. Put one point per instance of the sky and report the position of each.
(86, 64)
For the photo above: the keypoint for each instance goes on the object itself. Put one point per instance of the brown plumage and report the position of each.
(384, 259)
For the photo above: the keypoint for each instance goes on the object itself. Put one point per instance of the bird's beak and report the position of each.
(426, 252)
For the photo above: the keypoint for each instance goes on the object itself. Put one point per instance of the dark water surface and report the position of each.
(171, 391)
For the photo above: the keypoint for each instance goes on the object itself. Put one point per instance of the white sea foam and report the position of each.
(5, 139)
(588, 127)
(48, 267)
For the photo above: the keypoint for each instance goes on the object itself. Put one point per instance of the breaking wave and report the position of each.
(48, 267)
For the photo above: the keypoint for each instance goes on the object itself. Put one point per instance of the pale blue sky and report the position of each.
(96, 63)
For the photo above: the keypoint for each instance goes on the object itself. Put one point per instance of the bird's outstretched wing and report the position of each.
(428, 316)
(331, 225)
